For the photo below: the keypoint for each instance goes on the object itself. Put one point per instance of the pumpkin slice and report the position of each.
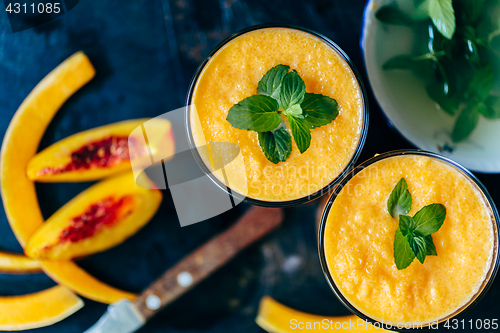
(20, 145)
(36, 310)
(11, 263)
(70, 275)
(98, 218)
(102, 151)
(274, 317)
(23, 136)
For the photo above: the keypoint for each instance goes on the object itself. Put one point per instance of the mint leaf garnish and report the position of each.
(301, 132)
(417, 245)
(413, 237)
(296, 111)
(282, 92)
(276, 145)
(429, 219)
(255, 113)
(442, 15)
(400, 199)
(403, 254)
(270, 83)
(406, 224)
(429, 245)
(319, 110)
(292, 90)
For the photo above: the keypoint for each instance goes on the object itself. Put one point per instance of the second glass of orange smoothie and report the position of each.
(357, 242)
(231, 72)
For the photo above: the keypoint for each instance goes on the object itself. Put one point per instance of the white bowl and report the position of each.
(404, 100)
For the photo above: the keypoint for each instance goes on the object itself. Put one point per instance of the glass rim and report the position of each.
(495, 260)
(298, 201)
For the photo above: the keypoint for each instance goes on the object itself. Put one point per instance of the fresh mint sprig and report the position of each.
(413, 238)
(456, 64)
(282, 93)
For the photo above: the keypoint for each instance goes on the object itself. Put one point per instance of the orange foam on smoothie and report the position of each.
(233, 73)
(359, 240)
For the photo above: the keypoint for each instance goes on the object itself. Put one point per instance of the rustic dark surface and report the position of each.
(145, 53)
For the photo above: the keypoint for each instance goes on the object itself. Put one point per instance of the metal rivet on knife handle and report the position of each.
(153, 302)
(184, 279)
(252, 226)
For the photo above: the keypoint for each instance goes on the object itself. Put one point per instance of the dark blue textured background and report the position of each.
(145, 53)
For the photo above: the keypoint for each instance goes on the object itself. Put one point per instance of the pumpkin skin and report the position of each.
(102, 152)
(19, 146)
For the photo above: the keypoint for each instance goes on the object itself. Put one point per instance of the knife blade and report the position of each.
(126, 317)
(123, 317)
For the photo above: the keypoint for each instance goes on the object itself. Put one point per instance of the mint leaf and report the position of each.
(319, 110)
(391, 14)
(296, 111)
(270, 83)
(429, 246)
(492, 108)
(403, 254)
(292, 90)
(447, 102)
(276, 145)
(466, 123)
(481, 84)
(417, 245)
(255, 113)
(442, 15)
(399, 201)
(301, 132)
(406, 224)
(429, 219)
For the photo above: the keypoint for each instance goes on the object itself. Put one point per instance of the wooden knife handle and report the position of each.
(255, 223)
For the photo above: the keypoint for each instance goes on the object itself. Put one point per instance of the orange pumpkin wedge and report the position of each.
(18, 192)
(274, 317)
(102, 151)
(11, 263)
(70, 275)
(95, 220)
(23, 136)
(36, 310)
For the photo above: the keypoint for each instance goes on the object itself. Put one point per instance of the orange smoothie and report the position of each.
(359, 242)
(233, 73)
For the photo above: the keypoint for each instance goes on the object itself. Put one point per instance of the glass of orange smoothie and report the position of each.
(357, 241)
(231, 73)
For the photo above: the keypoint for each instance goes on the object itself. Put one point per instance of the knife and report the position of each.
(128, 316)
